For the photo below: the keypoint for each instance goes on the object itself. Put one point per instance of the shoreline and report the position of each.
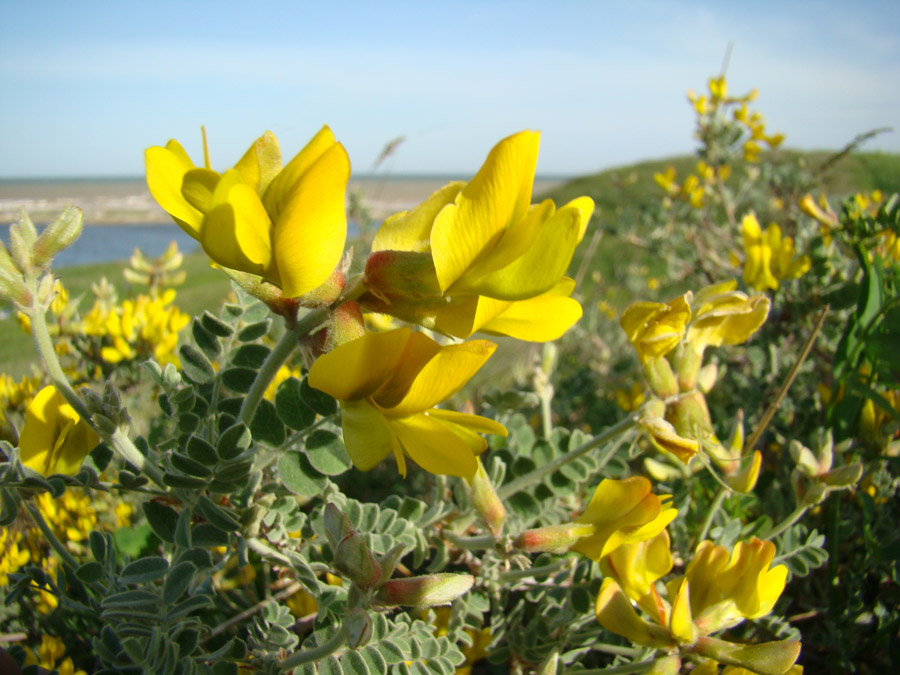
(128, 202)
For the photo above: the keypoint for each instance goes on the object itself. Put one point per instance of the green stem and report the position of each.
(786, 523)
(485, 542)
(276, 358)
(118, 440)
(557, 566)
(621, 427)
(312, 655)
(51, 538)
(546, 396)
(713, 511)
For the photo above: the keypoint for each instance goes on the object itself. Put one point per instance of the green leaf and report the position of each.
(290, 406)
(183, 528)
(254, 331)
(162, 519)
(217, 516)
(131, 541)
(326, 453)
(90, 572)
(201, 451)
(206, 341)
(145, 569)
(186, 482)
(215, 325)
(233, 441)
(143, 600)
(188, 422)
(250, 356)
(99, 545)
(298, 475)
(525, 505)
(319, 401)
(352, 663)
(188, 605)
(206, 535)
(266, 427)
(177, 581)
(239, 379)
(195, 365)
(188, 466)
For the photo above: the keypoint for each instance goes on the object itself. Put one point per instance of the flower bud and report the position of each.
(403, 284)
(745, 480)
(768, 658)
(485, 500)
(553, 538)
(353, 559)
(660, 377)
(668, 665)
(57, 236)
(663, 436)
(425, 591)
(22, 236)
(347, 324)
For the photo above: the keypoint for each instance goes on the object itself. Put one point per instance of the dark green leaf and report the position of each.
(145, 569)
(233, 441)
(195, 365)
(206, 535)
(187, 465)
(201, 451)
(319, 401)
(188, 422)
(162, 519)
(254, 331)
(131, 541)
(141, 599)
(188, 605)
(187, 482)
(266, 427)
(217, 516)
(250, 356)
(177, 581)
(90, 572)
(215, 325)
(291, 408)
(183, 528)
(525, 505)
(207, 342)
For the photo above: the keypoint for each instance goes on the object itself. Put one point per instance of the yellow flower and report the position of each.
(286, 224)
(666, 180)
(769, 256)
(622, 512)
(54, 438)
(718, 88)
(751, 151)
(654, 328)
(723, 315)
(638, 566)
(478, 256)
(388, 385)
(630, 399)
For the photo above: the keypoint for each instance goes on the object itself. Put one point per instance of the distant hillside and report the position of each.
(621, 188)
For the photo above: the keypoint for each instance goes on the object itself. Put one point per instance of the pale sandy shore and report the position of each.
(127, 201)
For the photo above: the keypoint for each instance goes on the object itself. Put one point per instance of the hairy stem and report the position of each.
(312, 655)
(534, 476)
(796, 515)
(713, 512)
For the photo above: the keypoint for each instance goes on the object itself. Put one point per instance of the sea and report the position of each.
(121, 215)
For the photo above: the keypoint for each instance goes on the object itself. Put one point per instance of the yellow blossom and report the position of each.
(388, 385)
(638, 566)
(723, 315)
(769, 256)
(285, 224)
(12, 555)
(478, 256)
(751, 151)
(630, 399)
(654, 328)
(666, 180)
(54, 438)
(718, 88)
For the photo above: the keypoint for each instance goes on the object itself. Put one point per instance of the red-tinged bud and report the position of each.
(485, 500)
(668, 665)
(327, 293)
(347, 324)
(552, 538)
(403, 284)
(426, 591)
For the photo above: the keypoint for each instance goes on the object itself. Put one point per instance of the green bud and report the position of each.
(337, 526)
(327, 293)
(553, 538)
(660, 377)
(57, 236)
(768, 658)
(353, 559)
(667, 665)
(22, 236)
(843, 477)
(485, 500)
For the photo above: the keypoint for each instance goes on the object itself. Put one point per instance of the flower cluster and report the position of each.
(769, 258)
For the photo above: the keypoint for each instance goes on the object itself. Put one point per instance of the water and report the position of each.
(106, 243)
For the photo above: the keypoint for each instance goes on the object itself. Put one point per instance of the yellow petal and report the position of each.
(681, 623)
(198, 187)
(614, 498)
(498, 196)
(236, 230)
(419, 350)
(411, 230)
(482, 425)
(359, 367)
(261, 163)
(542, 265)
(367, 435)
(310, 227)
(166, 168)
(443, 376)
(434, 447)
(282, 186)
(539, 319)
(615, 613)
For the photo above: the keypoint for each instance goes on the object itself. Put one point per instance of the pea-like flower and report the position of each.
(54, 438)
(770, 258)
(388, 385)
(723, 315)
(638, 566)
(285, 224)
(478, 256)
(654, 328)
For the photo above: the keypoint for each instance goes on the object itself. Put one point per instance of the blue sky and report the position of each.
(86, 86)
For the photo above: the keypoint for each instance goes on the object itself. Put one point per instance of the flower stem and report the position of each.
(118, 440)
(276, 358)
(534, 476)
(786, 523)
(557, 566)
(713, 511)
(51, 538)
(312, 655)
(639, 667)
